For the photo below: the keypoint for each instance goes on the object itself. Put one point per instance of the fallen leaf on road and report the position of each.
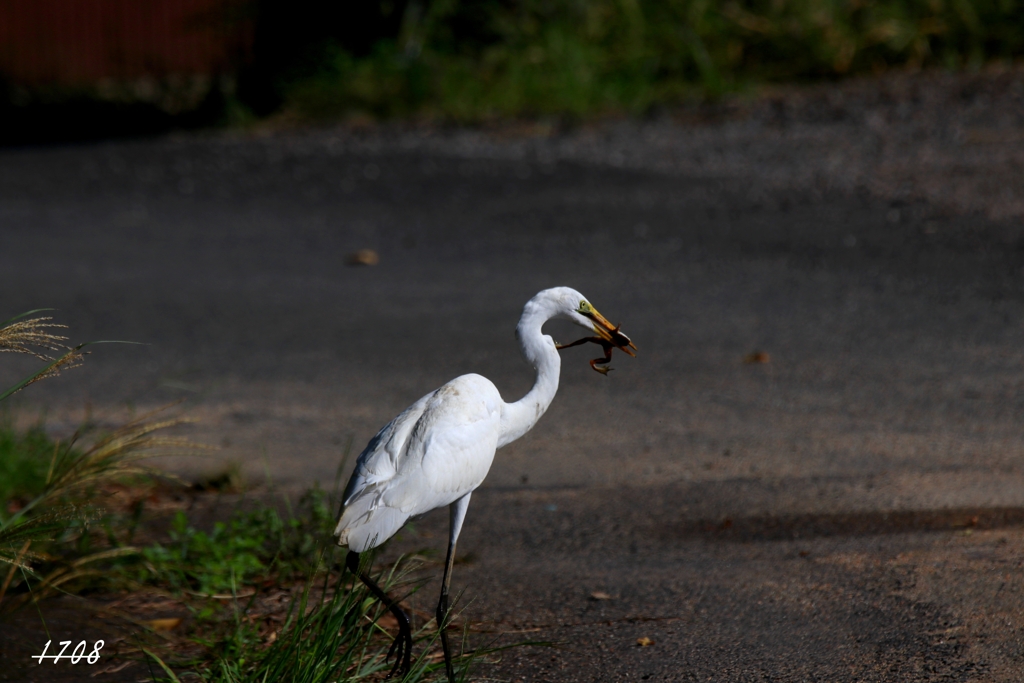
(600, 595)
(644, 642)
(163, 624)
(364, 257)
(756, 357)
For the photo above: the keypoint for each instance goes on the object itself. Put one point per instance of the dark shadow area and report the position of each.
(867, 523)
(293, 40)
(86, 119)
(290, 42)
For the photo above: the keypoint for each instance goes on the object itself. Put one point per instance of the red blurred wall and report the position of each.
(78, 42)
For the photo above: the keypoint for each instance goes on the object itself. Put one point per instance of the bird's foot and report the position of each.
(401, 648)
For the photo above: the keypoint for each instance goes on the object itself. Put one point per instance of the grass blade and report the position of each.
(167, 670)
(25, 315)
(72, 358)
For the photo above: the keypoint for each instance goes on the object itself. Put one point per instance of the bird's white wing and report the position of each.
(379, 461)
(436, 451)
(454, 442)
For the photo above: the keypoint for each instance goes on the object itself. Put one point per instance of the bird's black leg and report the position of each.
(457, 513)
(442, 613)
(402, 645)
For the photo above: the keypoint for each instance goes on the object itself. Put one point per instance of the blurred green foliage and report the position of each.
(249, 547)
(474, 60)
(24, 460)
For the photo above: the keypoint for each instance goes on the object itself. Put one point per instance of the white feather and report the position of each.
(435, 452)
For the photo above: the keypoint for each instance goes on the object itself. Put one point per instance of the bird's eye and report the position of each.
(584, 307)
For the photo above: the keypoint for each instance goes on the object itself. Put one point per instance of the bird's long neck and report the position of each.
(539, 351)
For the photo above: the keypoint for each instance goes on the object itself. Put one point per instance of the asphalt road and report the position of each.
(848, 510)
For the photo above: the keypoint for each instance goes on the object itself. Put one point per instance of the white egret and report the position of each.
(438, 451)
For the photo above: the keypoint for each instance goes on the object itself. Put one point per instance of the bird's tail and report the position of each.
(366, 523)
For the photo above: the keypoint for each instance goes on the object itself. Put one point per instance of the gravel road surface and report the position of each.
(848, 510)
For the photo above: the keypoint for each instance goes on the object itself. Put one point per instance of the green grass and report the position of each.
(55, 531)
(248, 548)
(330, 635)
(463, 61)
(330, 632)
(24, 461)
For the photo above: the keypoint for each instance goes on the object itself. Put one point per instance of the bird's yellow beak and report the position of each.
(610, 333)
